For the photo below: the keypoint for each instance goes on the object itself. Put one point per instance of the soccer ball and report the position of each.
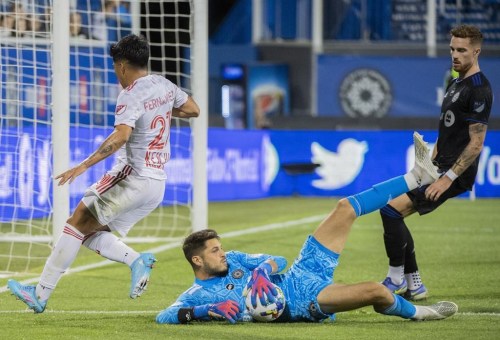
(269, 311)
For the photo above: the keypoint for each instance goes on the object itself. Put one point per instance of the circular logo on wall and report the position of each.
(365, 93)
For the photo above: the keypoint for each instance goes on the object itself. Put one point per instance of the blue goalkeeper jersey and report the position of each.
(218, 289)
(311, 272)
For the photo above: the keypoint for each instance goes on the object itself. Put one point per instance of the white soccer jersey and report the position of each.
(146, 106)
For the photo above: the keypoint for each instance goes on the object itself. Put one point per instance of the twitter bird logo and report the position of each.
(338, 169)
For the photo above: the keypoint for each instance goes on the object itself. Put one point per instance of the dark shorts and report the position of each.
(424, 206)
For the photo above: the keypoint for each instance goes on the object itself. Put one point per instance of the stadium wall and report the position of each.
(388, 87)
(241, 164)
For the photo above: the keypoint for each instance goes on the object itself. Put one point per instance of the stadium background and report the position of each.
(373, 53)
(459, 243)
(302, 111)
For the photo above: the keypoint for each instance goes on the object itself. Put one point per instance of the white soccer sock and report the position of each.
(111, 247)
(414, 280)
(62, 256)
(419, 176)
(411, 180)
(396, 274)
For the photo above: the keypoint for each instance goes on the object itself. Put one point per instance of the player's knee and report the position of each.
(345, 207)
(84, 222)
(377, 293)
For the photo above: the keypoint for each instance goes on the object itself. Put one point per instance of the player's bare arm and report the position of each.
(477, 134)
(188, 110)
(110, 145)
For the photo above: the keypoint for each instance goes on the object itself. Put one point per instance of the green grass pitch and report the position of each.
(458, 249)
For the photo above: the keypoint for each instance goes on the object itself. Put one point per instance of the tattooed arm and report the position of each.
(477, 134)
(113, 143)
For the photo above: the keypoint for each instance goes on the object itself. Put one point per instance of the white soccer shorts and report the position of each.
(121, 198)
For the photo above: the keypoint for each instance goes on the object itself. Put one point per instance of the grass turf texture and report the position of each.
(457, 248)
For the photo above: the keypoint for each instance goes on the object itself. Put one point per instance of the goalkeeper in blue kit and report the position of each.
(222, 279)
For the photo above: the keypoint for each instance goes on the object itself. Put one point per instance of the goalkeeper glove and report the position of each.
(228, 310)
(259, 284)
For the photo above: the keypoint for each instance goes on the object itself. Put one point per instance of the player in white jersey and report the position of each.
(132, 188)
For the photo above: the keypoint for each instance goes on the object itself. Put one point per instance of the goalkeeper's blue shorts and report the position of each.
(311, 272)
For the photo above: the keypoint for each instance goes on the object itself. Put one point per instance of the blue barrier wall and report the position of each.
(388, 86)
(241, 165)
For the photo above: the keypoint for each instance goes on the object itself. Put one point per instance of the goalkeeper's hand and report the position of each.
(260, 285)
(229, 310)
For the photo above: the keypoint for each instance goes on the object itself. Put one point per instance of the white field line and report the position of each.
(176, 244)
(154, 312)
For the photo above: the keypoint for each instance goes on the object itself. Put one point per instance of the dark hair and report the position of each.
(132, 48)
(194, 244)
(468, 31)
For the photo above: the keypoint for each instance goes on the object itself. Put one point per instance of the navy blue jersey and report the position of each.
(467, 101)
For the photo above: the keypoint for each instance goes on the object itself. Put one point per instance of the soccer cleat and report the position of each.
(27, 294)
(424, 171)
(416, 294)
(438, 311)
(396, 289)
(141, 270)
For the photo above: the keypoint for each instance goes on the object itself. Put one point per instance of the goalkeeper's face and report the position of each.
(214, 261)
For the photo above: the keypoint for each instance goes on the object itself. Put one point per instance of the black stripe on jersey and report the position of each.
(476, 79)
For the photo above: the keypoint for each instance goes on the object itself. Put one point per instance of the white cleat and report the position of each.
(424, 171)
(438, 311)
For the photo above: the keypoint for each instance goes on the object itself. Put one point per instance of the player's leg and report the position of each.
(416, 289)
(337, 298)
(423, 172)
(108, 245)
(62, 256)
(136, 196)
(334, 230)
(397, 240)
(340, 298)
(113, 248)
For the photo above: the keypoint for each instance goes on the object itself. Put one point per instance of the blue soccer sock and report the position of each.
(379, 195)
(401, 308)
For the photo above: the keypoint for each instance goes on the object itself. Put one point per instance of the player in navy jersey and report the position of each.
(462, 129)
(132, 188)
(311, 295)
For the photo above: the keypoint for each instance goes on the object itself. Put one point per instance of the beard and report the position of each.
(218, 271)
(222, 273)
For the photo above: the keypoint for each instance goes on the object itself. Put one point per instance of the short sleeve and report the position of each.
(127, 110)
(480, 103)
(181, 98)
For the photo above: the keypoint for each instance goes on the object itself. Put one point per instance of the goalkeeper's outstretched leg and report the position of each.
(334, 231)
(308, 284)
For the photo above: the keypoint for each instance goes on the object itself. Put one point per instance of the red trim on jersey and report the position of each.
(73, 233)
(108, 181)
(131, 86)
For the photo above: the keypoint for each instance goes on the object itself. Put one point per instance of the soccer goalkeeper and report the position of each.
(221, 278)
(132, 188)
